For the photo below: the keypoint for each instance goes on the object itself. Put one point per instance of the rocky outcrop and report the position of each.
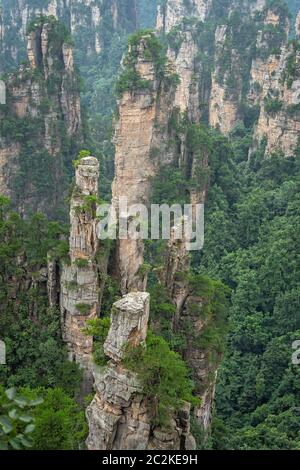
(275, 86)
(40, 56)
(141, 144)
(184, 56)
(227, 86)
(119, 417)
(175, 278)
(134, 166)
(297, 26)
(43, 107)
(84, 18)
(8, 161)
(80, 284)
(173, 11)
(223, 111)
(129, 325)
(187, 92)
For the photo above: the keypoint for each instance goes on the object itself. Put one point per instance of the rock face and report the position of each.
(255, 76)
(133, 140)
(119, 416)
(8, 153)
(174, 11)
(226, 92)
(298, 26)
(188, 306)
(183, 58)
(279, 97)
(187, 92)
(129, 325)
(138, 137)
(82, 17)
(43, 105)
(80, 285)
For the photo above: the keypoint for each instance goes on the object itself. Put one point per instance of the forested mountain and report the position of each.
(133, 344)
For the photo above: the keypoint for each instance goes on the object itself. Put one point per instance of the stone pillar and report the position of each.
(117, 416)
(79, 300)
(298, 26)
(133, 165)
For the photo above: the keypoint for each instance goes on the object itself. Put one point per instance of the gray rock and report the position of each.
(129, 324)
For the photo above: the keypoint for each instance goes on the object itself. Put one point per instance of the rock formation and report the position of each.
(43, 107)
(118, 416)
(233, 61)
(133, 138)
(277, 82)
(82, 17)
(297, 26)
(263, 70)
(173, 11)
(139, 135)
(80, 283)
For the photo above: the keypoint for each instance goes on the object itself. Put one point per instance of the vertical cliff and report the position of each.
(133, 164)
(173, 11)
(80, 281)
(256, 74)
(145, 106)
(234, 41)
(41, 124)
(89, 21)
(120, 417)
(275, 85)
(236, 67)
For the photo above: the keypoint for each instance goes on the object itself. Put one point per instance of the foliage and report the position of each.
(98, 328)
(273, 105)
(36, 355)
(257, 391)
(82, 154)
(164, 377)
(58, 422)
(82, 263)
(18, 423)
(214, 309)
(146, 43)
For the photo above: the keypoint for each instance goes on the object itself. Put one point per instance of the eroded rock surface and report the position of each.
(81, 17)
(130, 317)
(119, 416)
(43, 104)
(80, 285)
(175, 10)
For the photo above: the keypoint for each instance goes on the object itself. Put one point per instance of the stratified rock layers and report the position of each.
(174, 11)
(79, 280)
(119, 416)
(82, 17)
(139, 135)
(43, 107)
